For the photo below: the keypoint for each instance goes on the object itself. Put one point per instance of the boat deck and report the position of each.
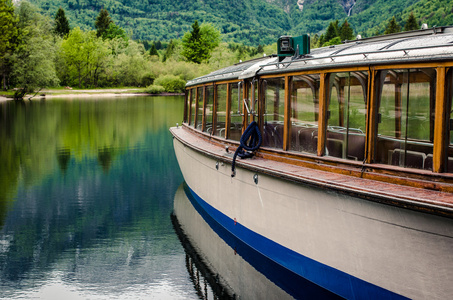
(420, 199)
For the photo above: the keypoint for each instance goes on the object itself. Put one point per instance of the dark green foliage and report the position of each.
(392, 26)
(61, 23)
(346, 32)
(250, 22)
(332, 31)
(102, 23)
(335, 34)
(200, 42)
(10, 39)
(153, 50)
(169, 50)
(411, 23)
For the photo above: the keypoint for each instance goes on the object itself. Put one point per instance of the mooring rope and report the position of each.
(250, 140)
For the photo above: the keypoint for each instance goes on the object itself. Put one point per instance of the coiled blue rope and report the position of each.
(250, 140)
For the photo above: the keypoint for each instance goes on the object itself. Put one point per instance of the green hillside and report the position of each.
(251, 22)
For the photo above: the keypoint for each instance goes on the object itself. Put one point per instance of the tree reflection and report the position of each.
(63, 158)
(44, 214)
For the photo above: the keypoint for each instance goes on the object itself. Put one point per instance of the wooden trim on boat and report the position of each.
(440, 124)
(385, 187)
(323, 106)
(228, 112)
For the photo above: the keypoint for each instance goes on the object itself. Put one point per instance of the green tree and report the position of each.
(260, 49)
(153, 50)
(9, 38)
(199, 43)
(85, 56)
(169, 50)
(102, 23)
(411, 23)
(34, 63)
(346, 31)
(332, 31)
(61, 23)
(115, 31)
(392, 26)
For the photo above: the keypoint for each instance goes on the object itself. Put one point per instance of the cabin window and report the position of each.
(235, 131)
(252, 97)
(274, 112)
(199, 124)
(221, 109)
(304, 113)
(186, 106)
(449, 94)
(192, 106)
(406, 100)
(346, 115)
(209, 109)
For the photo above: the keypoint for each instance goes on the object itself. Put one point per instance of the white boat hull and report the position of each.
(352, 247)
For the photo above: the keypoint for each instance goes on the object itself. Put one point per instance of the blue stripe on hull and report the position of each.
(299, 276)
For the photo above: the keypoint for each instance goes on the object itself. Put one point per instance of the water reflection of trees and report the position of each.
(58, 150)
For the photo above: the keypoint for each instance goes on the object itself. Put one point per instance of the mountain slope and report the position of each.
(251, 22)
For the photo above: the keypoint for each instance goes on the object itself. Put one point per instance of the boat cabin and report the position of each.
(380, 106)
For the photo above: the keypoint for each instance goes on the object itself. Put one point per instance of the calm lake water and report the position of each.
(86, 195)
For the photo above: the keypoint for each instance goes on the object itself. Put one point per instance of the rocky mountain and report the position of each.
(250, 22)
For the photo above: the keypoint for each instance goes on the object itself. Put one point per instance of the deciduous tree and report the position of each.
(9, 38)
(84, 54)
(34, 63)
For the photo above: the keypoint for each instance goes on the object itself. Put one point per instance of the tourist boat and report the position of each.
(348, 187)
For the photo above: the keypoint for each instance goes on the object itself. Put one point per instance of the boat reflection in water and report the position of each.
(219, 265)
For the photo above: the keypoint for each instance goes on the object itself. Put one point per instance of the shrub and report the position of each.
(147, 79)
(155, 89)
(171, 83)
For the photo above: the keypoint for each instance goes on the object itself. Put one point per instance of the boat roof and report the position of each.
(433, 44)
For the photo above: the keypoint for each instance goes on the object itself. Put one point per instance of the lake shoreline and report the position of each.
(104, 93)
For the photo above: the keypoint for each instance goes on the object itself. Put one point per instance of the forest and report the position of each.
(38, 50)
(249, 22)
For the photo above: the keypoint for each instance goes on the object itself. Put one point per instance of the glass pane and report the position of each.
(221, 110)
(274, 112)
(236, 112)
(209, 109)
(449, 86)
(406, 127)
(199, 124)
(346, 116)
(304, 113)
(192, 107)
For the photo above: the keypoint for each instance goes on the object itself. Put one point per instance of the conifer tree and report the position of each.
(153, 50)
(332, 31)
(102, 23)
(61, 23)
(392, 26)
(411, 23)
(346, 32)
(199, 43)
(169, 50)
